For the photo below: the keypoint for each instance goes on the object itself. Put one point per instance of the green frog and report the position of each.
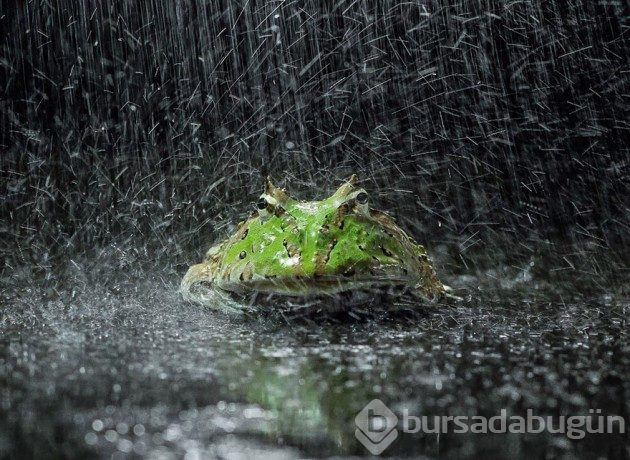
(312, 249)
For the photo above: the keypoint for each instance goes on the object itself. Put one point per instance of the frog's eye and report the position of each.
(262, 203)
(265, 208)
(359, 202)
(362, 198)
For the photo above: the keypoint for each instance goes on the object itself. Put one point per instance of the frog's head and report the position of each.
(304, 247)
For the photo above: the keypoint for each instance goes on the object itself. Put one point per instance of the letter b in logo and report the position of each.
(376, 426)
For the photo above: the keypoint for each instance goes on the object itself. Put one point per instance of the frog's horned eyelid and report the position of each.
(269, 199)
(272, 191)
(270, 188)
(269, 185)
(348, 188)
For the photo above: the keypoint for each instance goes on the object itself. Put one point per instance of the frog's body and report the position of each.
(297, 248)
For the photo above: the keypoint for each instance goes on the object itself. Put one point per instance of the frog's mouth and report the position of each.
(296, 286)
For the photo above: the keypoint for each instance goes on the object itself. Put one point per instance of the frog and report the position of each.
(313, 249)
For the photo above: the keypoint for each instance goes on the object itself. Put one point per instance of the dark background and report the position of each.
(500, 129)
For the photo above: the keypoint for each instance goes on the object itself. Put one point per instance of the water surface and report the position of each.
(102, 360)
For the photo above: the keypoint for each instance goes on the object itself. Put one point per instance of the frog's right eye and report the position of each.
(265, 208)
(262, 203)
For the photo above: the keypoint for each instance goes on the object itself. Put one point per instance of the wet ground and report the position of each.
(101, 360)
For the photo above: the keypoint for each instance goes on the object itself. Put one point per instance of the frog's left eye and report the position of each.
(362, 198)
(359, 203)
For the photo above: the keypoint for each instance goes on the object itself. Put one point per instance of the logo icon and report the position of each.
(376, 426)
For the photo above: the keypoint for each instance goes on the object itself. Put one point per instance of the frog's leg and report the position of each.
(207, 294)
(196, 273)
(433, 295)
(448, 294)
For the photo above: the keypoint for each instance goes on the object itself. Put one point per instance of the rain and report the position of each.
(135, 135)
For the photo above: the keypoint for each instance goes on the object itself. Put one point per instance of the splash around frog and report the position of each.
(312, 249)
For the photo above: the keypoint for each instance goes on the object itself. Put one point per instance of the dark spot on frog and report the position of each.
(331, 246)
(245, 232)
(386, 251)
(247, 273)
(279, 210)
(350, 271)
(322, 258)
(292, 250)
(340, 215)
(242, 255)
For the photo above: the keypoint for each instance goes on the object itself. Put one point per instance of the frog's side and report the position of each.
(298, 248)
